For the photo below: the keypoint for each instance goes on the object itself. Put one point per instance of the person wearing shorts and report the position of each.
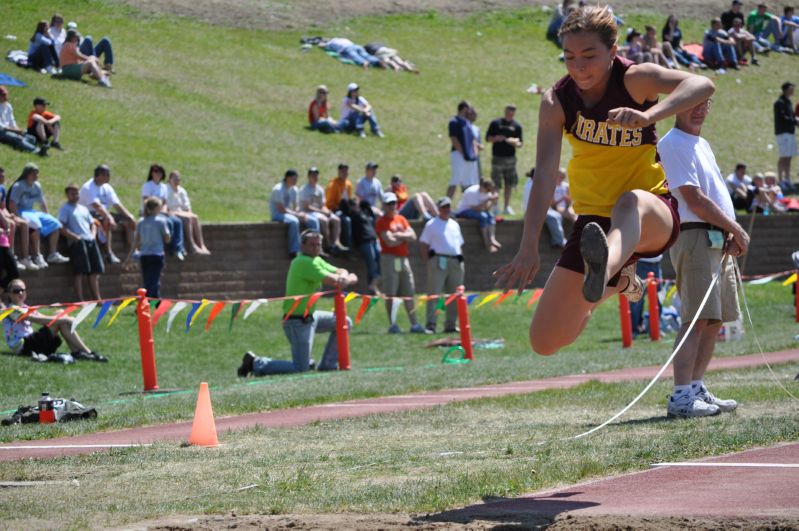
(607, 107)
(505, 135)
(463, 155)
(80, 231)
(394, 233)
(785, 131)
(709, 241)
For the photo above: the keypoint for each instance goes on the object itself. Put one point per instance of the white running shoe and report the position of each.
(724, 405)
(689, 406)
(39, 261)
(28, 264)
(57, 258)
(634, 289)
(508, 211)
(20, 266)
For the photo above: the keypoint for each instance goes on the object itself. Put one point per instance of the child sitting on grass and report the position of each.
(43, 343)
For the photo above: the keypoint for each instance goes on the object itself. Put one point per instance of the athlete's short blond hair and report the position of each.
(592, 19)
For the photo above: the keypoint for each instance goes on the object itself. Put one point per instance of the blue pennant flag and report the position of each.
(103, 310)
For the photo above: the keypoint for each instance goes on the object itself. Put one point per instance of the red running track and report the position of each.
(100, 441)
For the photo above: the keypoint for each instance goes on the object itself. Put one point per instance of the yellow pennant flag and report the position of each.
(351, 295)
(7, 312)
(122, 306)
(790, 280)
(490, 297)
(203, 304)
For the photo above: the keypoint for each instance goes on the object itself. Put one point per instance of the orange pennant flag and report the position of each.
(362, 310)
(26, 314)
(161, 310)
(536, 295)
(214, 312)
(503, 297)
(311, 301)
(68, 310)
(297, 301)
(451, 298)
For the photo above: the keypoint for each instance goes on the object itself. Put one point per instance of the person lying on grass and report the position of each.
(44, 342)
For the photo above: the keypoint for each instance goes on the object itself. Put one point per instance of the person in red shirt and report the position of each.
(394, 233)
(318, 116)
(43, 124)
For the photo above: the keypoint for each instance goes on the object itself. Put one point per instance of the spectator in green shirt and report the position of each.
(306, 274)
(762, 25)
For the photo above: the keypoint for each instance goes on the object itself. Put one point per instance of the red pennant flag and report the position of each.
(297, 301)
(311, 301)
(68, 310)
(161, 310)
(218, 306)
(536, 295)
(503, 297)
(362, 310)
(451, 298)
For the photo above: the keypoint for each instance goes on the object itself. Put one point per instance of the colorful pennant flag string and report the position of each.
(488, 298)
(173, 313)
(395, 306)
(217, 308)
(66, 311)
(234, 312)
(103, 310)
(365, 302)
(297, 301)
(161, 310)
(121, 307)
(535, 296)
(311, 301)
(503, 297)
(254, 306)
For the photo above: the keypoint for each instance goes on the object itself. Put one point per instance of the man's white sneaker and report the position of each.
(634, 289)
(689, 406)
(508, 211)
(28, 264)
(39, 261)
(57, 258)
(709, 398)
(20, 266)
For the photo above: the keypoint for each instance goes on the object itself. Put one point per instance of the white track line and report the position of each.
(729, 465)
(69, 446)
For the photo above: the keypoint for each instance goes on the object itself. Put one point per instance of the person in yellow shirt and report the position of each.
(607, 107)
(338, 192)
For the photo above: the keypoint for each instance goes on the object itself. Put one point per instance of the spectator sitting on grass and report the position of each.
(12, 224)
(177, 200)
(763, 25)
(369, 188)
(356, 111)
(283, 209)
(10, 133)
(311, 199)
(739, 184)
(672, 34)
(662, 54)
(476, 203)
(155, 187)
(43, 343)
(766, 196)
(74, 64)
(44, 125)
(99, 197)
(80, 231)
(57, 32)
(417, 206)
(305, 276)
(152, 236)
(562, 11)
(318, 113)
(634, 48)
(744, 41)
(22, 197)
(790, 24)
(42, 54)
(718, 49)
(103, 48)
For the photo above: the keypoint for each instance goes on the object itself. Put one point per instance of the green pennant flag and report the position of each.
(234, 311)
(441, 306)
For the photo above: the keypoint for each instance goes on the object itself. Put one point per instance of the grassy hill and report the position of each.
(227, 106)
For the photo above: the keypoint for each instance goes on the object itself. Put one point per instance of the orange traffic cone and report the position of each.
(203, 431)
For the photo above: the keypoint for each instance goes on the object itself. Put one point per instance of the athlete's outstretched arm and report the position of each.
(645, 82)
(522, 270)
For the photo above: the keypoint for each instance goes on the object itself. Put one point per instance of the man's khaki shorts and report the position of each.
(695, 263)
(396, 276)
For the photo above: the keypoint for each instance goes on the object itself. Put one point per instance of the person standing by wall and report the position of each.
(785, 131)
(708, 231)
(505, 135)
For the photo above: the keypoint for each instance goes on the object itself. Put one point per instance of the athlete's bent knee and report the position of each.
(543, 346)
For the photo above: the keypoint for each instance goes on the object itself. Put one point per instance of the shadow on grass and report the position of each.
(513, 513)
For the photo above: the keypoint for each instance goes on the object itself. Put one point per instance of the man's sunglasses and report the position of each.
(17, 291)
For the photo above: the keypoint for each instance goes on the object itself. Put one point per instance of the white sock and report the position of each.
(696, 386)
(680, 390)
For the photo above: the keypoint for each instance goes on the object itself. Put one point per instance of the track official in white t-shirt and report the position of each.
(707, 230)
(440, 245)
